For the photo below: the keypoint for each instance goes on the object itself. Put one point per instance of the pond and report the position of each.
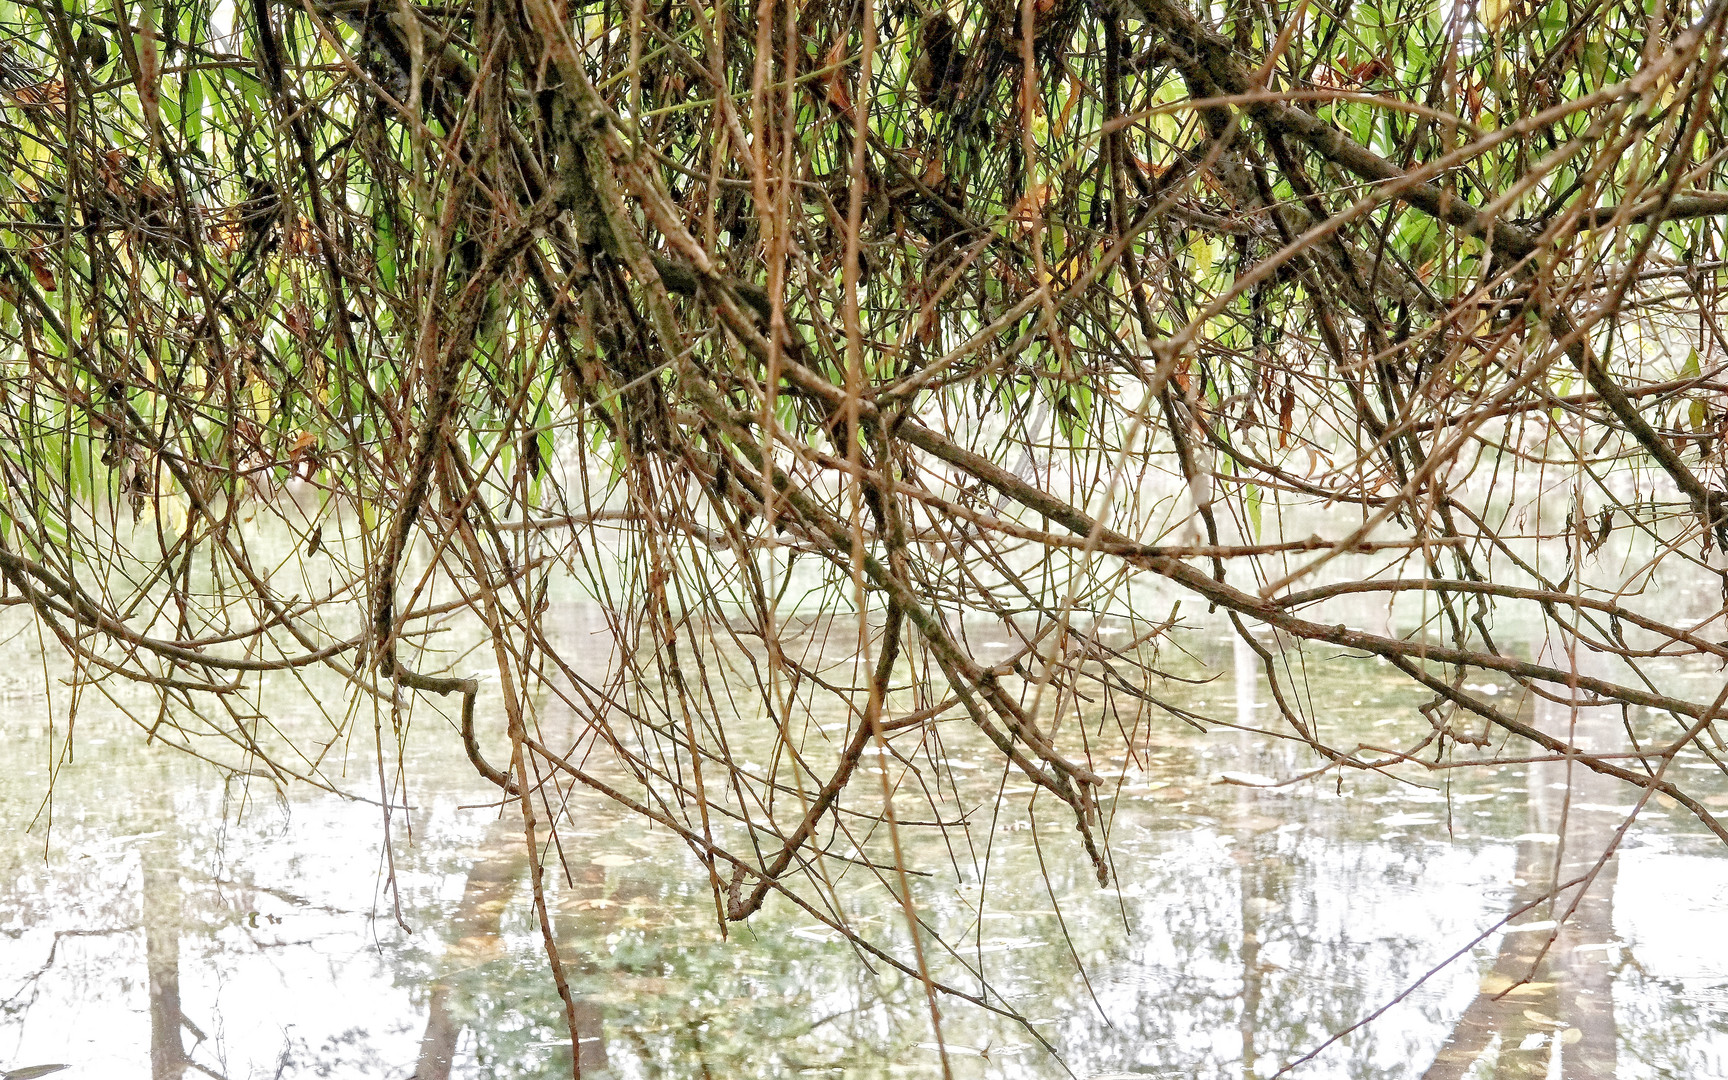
(159, 922)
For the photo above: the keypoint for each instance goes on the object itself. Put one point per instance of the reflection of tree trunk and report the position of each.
(579, 959)
(1252, 888)
(1251, 881)
(162, 916)
(1562, 1006)
(593, 1047)
(491, 882)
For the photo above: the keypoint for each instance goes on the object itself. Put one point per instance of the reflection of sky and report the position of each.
(258, 993)
(1346, 901)
(1356, 923)
(1671, 910)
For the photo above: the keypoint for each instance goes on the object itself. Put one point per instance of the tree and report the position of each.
(324, 322)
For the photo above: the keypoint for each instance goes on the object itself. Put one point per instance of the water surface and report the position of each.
(160, 923)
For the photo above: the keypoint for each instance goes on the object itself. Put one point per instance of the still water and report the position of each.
(160, 923)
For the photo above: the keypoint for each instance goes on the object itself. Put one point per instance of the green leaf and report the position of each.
(384, 249)
(192, 115)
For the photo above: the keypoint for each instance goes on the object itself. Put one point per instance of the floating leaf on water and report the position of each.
(1533, 1041)
(612, 859)
(1599, 946)
(474, 948)
(1396, 820)
(597, 903)
(31, 1072)
(1246, 779)
(1530, 989)
(1530, 927)
(1495, 984)
(1256, 822)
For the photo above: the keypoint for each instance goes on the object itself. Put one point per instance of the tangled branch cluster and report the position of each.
(325, 321)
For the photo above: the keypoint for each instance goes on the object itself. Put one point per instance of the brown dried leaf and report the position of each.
(39, 267)
(838, 95)
(49, 94)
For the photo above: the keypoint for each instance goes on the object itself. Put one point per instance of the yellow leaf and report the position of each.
(1491, 12)
(1203, 251)
(260, 397)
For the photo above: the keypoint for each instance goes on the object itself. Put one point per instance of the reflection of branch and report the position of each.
(54, 949)
(703, 846)
(1429, 974)
(205, 1069)
(293, 899)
